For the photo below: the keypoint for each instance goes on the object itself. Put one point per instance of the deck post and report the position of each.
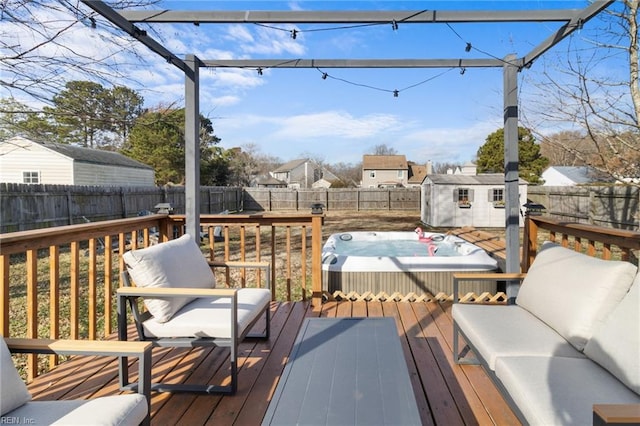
(511, 179)
(316, 260)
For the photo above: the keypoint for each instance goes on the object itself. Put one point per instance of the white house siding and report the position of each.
(98, 174)
(383, 177)
(21, 155)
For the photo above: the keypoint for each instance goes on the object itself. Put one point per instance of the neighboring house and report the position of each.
(417, 173)
(573, 175)
(269, 182)
(302, 173)
(384, 171)
(25, 161)
(456, 200)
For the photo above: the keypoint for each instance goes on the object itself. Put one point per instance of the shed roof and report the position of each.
(481, 179)
(384, 162)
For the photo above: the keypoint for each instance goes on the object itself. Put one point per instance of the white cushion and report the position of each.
(616, 344)
(176, 263)
(573, 293)
(498, 331)
(120, 410)
(558, 390)
(211, 317)
(13, 391)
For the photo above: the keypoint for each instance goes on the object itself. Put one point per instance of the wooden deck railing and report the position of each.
(60, 282)
(597, 241)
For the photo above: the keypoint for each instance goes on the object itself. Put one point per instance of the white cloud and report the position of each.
(332, 124)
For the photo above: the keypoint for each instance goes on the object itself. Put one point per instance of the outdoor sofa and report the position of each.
(571, 341)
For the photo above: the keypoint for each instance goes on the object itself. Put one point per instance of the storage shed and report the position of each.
(25, 161)
(456, 200)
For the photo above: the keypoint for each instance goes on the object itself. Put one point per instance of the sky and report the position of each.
(439, 115)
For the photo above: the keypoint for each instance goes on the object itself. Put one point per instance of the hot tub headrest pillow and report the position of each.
(573, 293)
(177, 263)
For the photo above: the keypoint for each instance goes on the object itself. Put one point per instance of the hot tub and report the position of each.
(402, 262)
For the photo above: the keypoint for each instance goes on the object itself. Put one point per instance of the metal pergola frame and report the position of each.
(571, 19)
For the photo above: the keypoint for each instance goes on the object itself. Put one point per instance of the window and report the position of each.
(372, 174)
(497, 194)
(400, 174)
(31, 177)
(463, 195)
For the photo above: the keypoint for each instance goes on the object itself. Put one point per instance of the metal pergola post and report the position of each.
(192, 146)
(511, 178)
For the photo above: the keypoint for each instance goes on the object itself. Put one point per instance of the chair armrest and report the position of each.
(477, 276)
(266, 266)
(616, 414)
(78, 347)
(175, 292)
(141, 350)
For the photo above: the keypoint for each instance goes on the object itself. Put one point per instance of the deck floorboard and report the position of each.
(446, 393)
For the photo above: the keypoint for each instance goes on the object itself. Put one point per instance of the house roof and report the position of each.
(481, 179)
(269, 180)
(287, 167)
(90, 155)
(580, 174)
(416, 173)
(384, 162)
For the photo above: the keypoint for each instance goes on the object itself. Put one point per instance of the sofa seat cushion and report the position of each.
(13, 391)
(559, 390)
(573, 293)
(177, 263)
(210, 317)
(129, 409)
(498, 331)
(616, 345)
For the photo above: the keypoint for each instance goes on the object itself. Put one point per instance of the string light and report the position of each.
(324, 75)
(463, 70)
(467, 47)
(396, 93)
(259, 71)
(294, 33)
(93, 22)
(394, 25)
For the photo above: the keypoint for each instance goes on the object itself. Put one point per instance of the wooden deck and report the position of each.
(447, 394)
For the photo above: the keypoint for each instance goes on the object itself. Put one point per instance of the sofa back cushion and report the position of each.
(13, 391)
(573, 293)
(176, 263)
(616, 344)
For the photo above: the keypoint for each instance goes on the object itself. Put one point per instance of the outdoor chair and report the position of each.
(17, 407)
(183, 307)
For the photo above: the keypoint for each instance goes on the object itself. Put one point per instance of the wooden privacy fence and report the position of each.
(60, 282)
(354, 199)
(27, 207)
(611, 206)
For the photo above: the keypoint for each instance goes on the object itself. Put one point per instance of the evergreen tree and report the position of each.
(531, 164)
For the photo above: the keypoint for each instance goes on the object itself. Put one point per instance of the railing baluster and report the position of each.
(92, 311)
(32, 309)
(288, 251)
(54, 297)
(5, 265)
(74, 285)
(303, 260)
(108, 284)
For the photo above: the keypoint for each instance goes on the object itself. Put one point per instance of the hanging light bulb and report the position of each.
(463, 70)
(468, 47)
(324, 75)
(294, 33)
(396, 93)
(394, 25)
(259, 71)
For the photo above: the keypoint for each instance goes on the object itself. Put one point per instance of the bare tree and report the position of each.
(45, 43)
(593, 85)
